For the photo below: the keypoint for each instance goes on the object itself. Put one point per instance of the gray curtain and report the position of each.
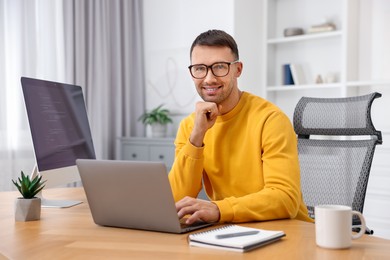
(104, 55)
(96, 44)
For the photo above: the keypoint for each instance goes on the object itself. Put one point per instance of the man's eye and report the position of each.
(219, 66)
(199, 68)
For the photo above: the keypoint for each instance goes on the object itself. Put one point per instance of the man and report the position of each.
(242, 147)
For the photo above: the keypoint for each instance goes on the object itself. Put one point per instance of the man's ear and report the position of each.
(239, 67)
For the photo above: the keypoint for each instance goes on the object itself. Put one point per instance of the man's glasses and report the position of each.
(219, 69)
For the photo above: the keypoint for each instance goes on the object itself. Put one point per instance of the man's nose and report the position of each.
(209, 76)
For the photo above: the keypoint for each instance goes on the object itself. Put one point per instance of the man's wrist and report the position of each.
(196, 139)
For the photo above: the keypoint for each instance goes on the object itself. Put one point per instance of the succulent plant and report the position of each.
(27, 187)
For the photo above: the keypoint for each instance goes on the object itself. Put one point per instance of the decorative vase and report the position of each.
(159, 130)
(27, 209)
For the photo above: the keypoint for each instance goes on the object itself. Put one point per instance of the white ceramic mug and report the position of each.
(333, 224)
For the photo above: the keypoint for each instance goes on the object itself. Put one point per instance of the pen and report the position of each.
(238, 234)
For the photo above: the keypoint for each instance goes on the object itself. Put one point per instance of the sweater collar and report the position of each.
(235, 110)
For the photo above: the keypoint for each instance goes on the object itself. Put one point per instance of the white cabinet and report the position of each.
(147, 149)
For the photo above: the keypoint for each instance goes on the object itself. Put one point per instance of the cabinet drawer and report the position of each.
(135, 152)
(164, 154)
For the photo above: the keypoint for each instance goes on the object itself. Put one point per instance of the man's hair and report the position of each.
(216, 38)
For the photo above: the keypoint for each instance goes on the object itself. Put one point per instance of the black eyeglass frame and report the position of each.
(211, 68)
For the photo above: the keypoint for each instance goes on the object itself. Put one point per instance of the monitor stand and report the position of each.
(46, 203)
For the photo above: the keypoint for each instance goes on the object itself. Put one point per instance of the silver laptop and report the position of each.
(131, 194)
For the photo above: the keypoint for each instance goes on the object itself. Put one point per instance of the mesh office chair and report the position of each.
(335, 163)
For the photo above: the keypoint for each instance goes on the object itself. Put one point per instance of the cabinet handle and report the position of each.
(134, 155)
(161, 157)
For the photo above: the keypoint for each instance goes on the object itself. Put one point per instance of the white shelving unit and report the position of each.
(333, 54)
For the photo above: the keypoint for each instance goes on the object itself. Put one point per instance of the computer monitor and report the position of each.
(60, 132)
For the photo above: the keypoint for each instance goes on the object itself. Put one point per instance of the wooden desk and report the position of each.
(71, 234)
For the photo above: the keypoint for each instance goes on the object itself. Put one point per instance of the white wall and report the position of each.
(247, 21)
(170, 28)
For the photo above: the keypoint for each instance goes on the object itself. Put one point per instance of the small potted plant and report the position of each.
(158, 118)
(28, 207)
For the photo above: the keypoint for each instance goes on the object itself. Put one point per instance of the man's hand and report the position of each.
(198, 209)
(206, 114)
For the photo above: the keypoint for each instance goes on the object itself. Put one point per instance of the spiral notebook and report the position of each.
(235, 238)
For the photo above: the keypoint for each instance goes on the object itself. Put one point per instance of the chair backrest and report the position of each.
(336, 144)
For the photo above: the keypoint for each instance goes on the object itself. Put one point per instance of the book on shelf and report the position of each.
(287, 76)
(234, 238)
(325, 27)
(297, 74)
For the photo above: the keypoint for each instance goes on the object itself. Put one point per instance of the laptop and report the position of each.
(131, 194)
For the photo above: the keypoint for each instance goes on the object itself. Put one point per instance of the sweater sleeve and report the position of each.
(185, 176)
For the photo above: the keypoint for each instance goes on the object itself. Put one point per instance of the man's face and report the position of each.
(212, 88)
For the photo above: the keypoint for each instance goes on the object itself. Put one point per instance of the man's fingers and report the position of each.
(197, 216)
(189, 210)
(183, 202)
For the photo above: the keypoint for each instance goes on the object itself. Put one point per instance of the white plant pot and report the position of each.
(27, 209)
(159, 130)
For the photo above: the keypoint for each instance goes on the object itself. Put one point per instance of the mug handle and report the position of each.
(363, 223)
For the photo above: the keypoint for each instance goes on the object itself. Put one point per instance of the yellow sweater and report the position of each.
(249, 164)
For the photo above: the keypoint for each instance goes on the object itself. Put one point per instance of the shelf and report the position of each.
(305, 37)
(351, 84)
(369, 83)
(303, 87)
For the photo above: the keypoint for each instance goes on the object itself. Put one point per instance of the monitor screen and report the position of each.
(59, 128)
